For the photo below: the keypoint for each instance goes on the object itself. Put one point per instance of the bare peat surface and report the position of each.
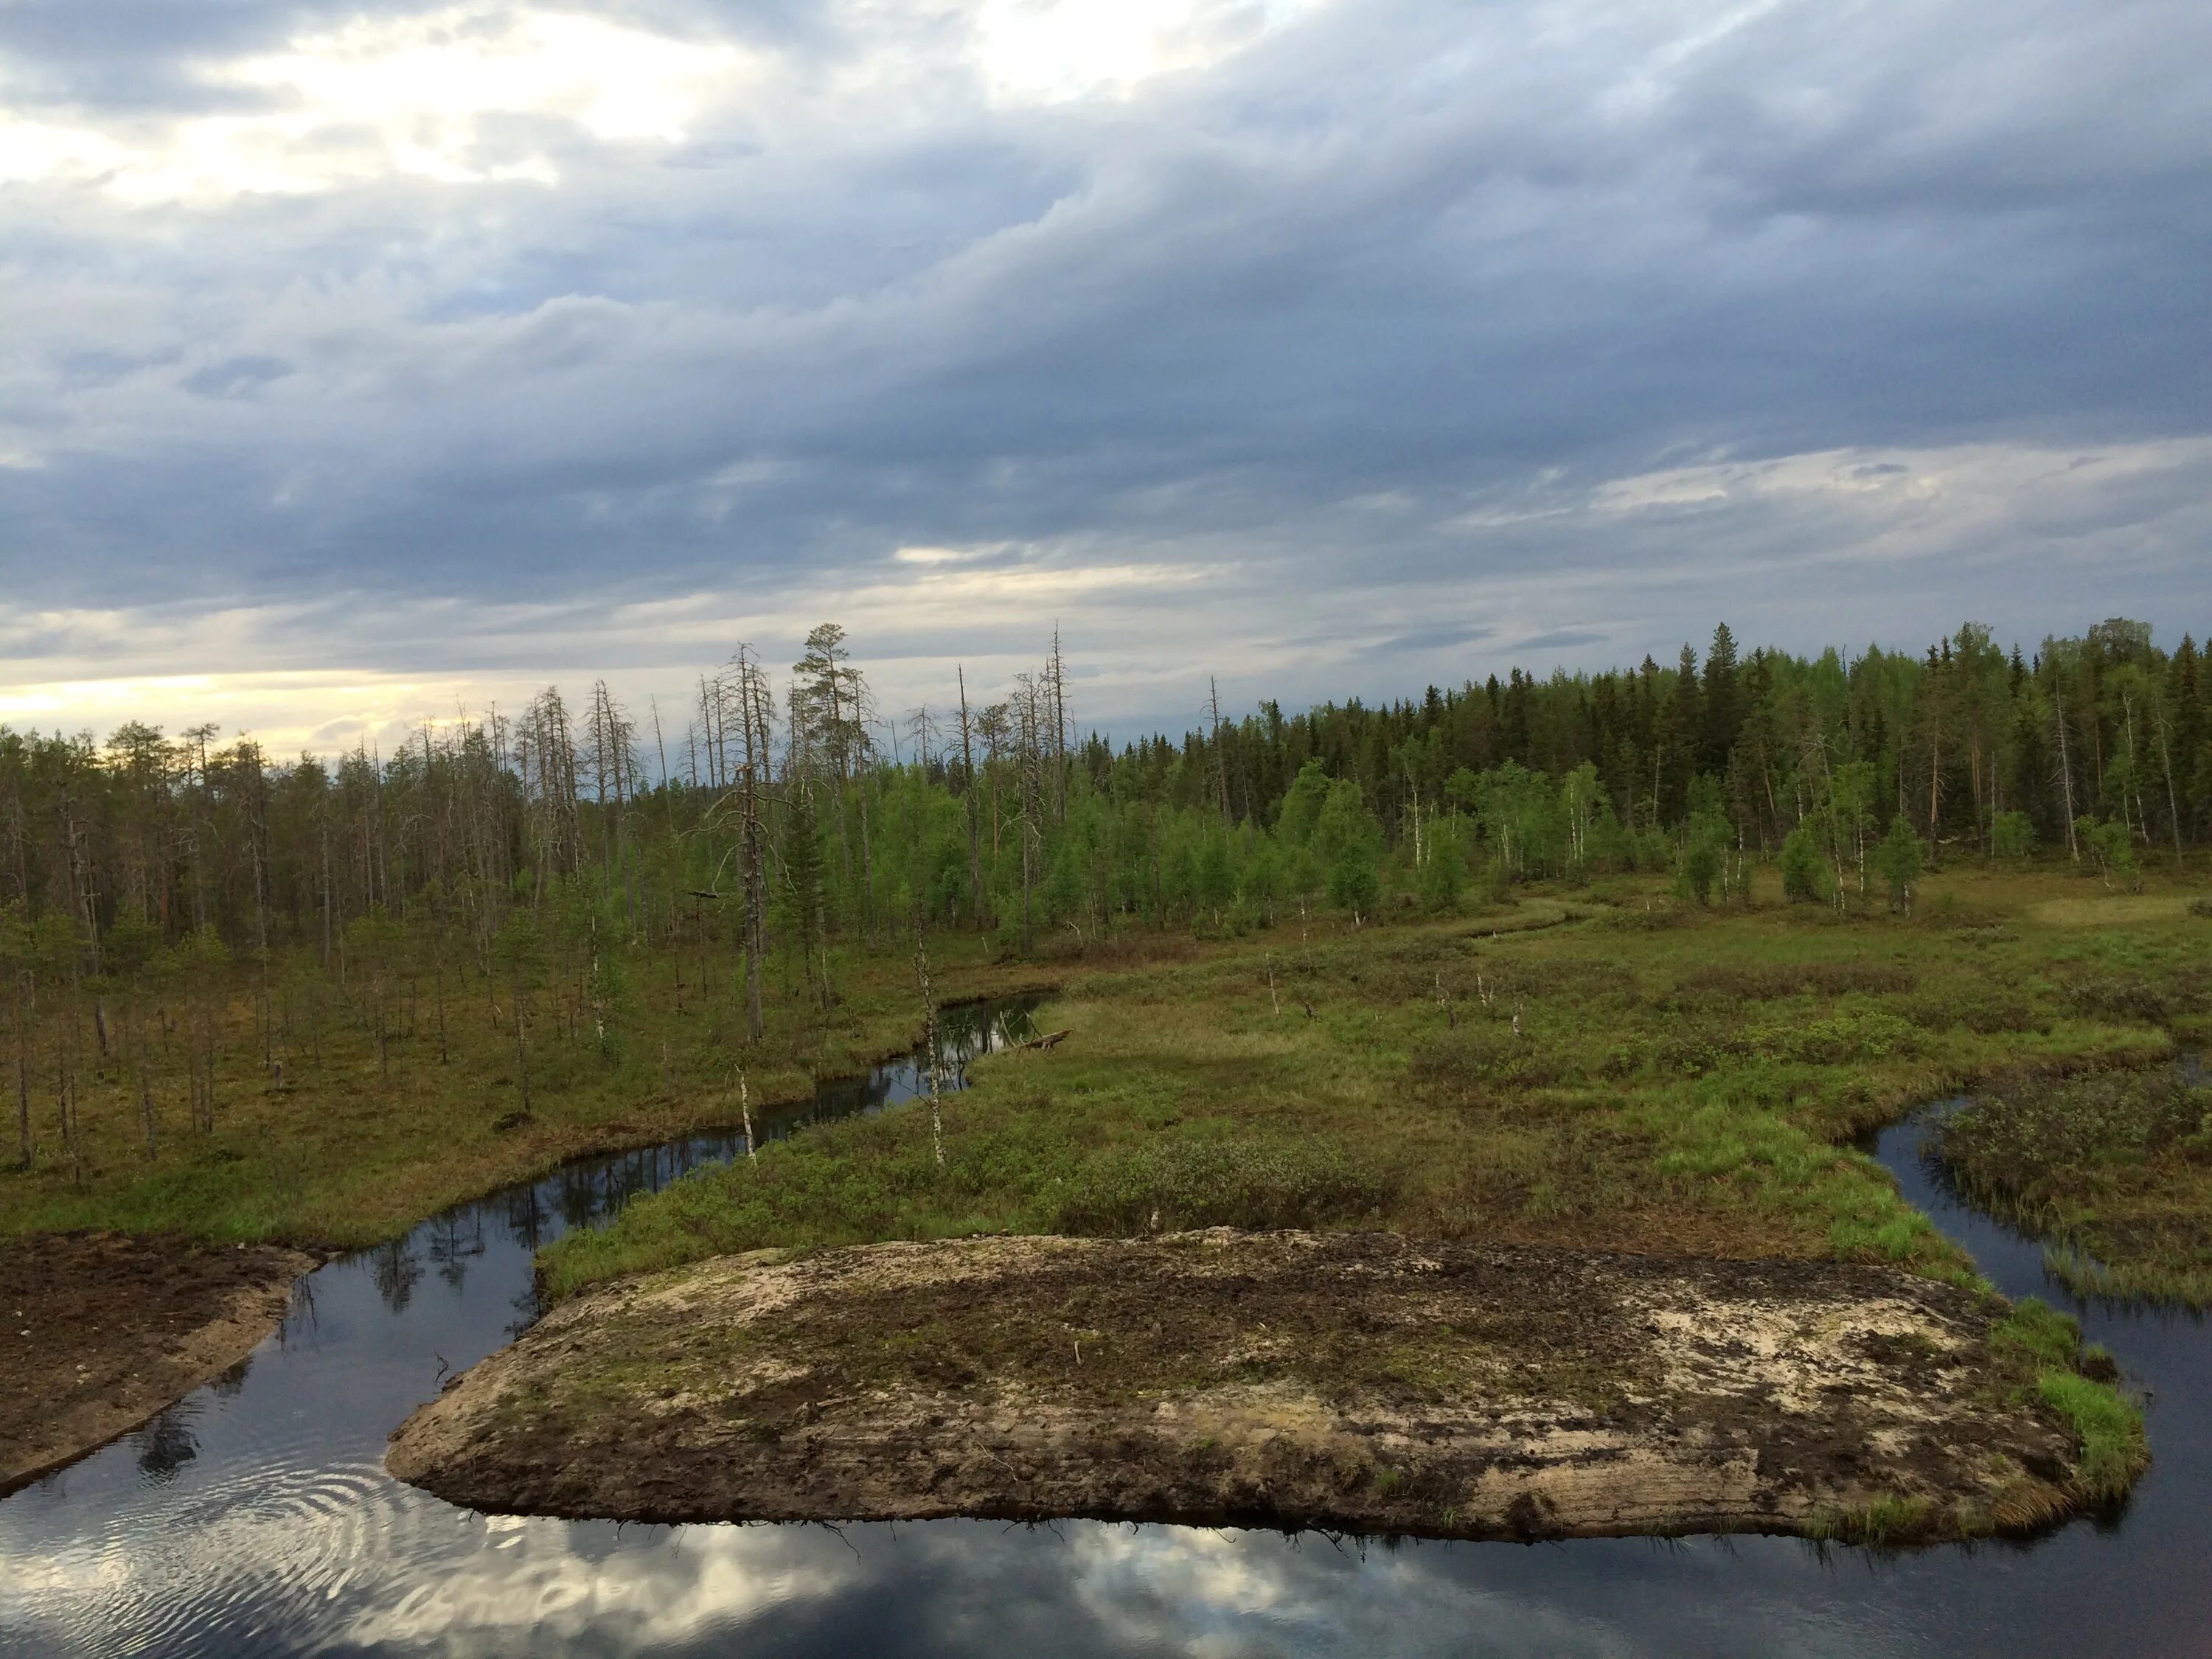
(102, 1331)
(1364, 1382)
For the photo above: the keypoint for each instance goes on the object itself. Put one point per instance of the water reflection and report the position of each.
(166, 1445)
(455, 1237)
(260, 1520)
(398, 1270)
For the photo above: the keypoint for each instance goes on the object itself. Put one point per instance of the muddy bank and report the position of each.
(1360, 1381)
(102, 1331)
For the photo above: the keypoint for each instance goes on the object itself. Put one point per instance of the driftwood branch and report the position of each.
(1049, 1039)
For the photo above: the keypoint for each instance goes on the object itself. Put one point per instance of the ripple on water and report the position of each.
(198, 1571)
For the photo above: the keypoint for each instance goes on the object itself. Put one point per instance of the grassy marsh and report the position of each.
(1637, 1074)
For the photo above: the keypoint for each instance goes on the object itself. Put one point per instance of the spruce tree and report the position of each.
(1724, 710)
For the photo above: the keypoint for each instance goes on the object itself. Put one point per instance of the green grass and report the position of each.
(1891, 1519)
(1688, 1085)
(2095, 1280)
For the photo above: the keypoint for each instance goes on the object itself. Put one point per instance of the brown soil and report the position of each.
(103, 1331)
(1361, 1382)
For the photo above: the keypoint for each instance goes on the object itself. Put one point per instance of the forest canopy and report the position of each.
(789, 810)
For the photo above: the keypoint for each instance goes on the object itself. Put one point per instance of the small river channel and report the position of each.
(255, 1516)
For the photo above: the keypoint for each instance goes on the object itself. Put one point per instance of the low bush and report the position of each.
(1188, 1184)
(1452, 1065)
(2030, 1142)
(2109, 997)
(1773, 981)
(1985, 1014)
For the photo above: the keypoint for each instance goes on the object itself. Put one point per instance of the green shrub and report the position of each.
(1804, 871)
(2012, 834)
(2029, 1144)
(1451, 1063)
(2112, 850)
(2109, 997)
(1897, 858)
(1729, 982)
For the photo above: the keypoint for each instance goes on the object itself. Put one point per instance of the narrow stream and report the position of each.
(255, 1516)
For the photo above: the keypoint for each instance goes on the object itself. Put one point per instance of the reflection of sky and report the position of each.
(256, 1518)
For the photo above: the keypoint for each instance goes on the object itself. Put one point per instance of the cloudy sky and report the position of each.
(360, 361)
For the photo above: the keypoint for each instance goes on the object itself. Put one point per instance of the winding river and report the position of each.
(255, 1517)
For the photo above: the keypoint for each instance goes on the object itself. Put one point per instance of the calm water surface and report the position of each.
(255, 1517)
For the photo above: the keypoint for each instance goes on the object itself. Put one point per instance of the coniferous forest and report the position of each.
(783, 814)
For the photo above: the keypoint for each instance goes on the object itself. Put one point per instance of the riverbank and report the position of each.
(1354, 1381)
(104, 1331)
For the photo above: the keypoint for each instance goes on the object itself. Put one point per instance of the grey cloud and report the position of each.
(1404, 247)
(1559, 639)
(235, 377)
(1436, 639)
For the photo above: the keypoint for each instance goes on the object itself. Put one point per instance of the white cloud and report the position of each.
(1054, 49)
(414, 96)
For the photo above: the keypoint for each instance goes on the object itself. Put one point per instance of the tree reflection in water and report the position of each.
(166, 1445)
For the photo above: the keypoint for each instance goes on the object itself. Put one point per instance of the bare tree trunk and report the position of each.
(522, 1049)
(1059, 731)
(1220, 755)
(2066, 774)
(969, 784)
(753, 715)
(23, 1078)
(146, 1101)
(929, 1047)
(2173, 802)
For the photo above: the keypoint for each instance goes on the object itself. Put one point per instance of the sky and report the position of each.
(362, 363)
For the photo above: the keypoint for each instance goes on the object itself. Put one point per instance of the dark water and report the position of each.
(255, 1518)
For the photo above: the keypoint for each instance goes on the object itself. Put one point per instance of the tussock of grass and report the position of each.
(2095, 1280)
(1891, 1519)
(2114, 1447)
(2106, 1424)
(2046, 1334)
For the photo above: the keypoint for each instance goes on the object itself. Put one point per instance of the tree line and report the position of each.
(805, 805)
